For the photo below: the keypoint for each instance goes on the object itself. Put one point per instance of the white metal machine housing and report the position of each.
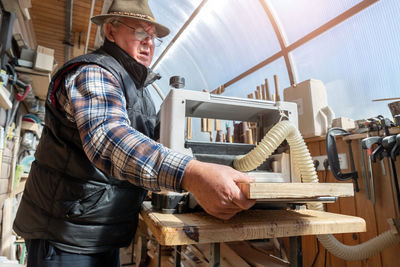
(180, 104)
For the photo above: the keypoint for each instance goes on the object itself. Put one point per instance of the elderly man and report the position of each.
(97, 156)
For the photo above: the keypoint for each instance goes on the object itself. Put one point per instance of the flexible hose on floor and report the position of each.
(302, 159)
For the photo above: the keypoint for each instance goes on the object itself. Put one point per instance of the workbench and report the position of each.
(199, 227)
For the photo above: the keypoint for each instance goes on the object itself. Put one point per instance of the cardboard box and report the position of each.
(344, 123)
(44, 59)
(39, 80)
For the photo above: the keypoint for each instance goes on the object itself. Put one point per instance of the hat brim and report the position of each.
(161, 30)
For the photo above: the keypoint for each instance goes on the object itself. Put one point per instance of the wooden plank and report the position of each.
(6, 229)
(253, 256)
(17, 141)
(295, 190)
(31, 71)
(199, 227)
(232, 257)
(20, 188)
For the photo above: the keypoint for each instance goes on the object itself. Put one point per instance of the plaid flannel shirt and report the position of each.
(92, 98)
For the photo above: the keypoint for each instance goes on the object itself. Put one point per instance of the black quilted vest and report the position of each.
(67, 199)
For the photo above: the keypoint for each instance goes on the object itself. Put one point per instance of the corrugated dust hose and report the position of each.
(302, 160)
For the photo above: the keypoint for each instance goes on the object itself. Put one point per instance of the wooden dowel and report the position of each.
(189, 128)
(229, 134)
(263, 92)
(209, 125)
(267, 93)
(204, 125)
(217, 125)
(277, 96)
(259, 92)
(248, 137)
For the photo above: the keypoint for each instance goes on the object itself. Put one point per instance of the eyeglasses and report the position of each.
(142, 35)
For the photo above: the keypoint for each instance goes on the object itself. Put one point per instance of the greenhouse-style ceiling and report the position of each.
(240, 43)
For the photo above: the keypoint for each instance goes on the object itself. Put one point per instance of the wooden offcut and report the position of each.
(295, 190)
(189, 128)
(267, 93)
(199, 227)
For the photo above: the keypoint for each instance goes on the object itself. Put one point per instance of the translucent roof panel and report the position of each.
(172, 14)
(300, 17)
(358, 60)
(226, 38)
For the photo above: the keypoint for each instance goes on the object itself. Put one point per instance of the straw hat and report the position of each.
(134, 9)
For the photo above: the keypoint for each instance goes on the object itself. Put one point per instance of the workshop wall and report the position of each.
(376, 215)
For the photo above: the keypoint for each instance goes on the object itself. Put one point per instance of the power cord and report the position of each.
(326, 169)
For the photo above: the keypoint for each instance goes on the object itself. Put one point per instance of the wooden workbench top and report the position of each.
(199, 227)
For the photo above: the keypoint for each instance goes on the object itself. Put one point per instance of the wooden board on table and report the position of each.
(199, 227)
(295, 190)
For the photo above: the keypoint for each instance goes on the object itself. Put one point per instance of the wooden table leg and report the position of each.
(296, 257)
(214, 255)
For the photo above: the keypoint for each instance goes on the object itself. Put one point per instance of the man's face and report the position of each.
(127, 38)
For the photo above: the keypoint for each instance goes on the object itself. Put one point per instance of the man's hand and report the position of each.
(215, 189)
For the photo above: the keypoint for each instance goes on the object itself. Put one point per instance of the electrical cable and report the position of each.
(316, 255)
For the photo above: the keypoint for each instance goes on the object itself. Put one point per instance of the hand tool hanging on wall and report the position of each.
(363, 169)
(378, 153)
(388, 143)
(396, 149)
(14, 81)
(368, 143)
(385, 124)
(333, 157)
